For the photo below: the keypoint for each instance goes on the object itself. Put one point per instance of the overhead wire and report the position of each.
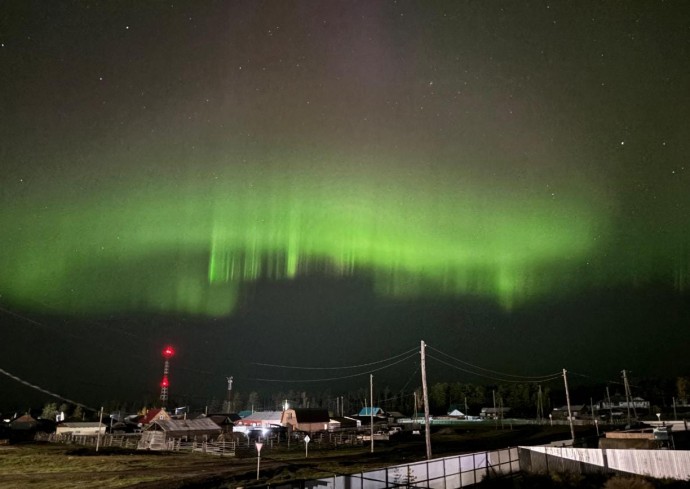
(335, 368)
(411, 355)
(513, 381)
(526, 378)
(45, 391)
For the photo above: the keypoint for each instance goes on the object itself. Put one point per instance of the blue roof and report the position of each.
(367, 411)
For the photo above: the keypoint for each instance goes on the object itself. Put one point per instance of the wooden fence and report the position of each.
(107, 440)
(220, 448)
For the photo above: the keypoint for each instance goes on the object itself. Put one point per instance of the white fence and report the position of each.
(441, 473)
(672, 464)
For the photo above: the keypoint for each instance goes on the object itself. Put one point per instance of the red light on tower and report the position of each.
(168, 353)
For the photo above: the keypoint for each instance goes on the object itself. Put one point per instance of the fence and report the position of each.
(132, 441)
(442, 473)
(673, 464)
(220, 448)
(107, 440)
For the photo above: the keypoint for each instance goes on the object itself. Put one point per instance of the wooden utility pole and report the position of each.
(567, 399)
(371, 410)
(608, 397)
(98, 436)
(425, 393)
(628, 395)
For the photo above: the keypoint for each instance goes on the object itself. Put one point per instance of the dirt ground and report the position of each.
(55, 466)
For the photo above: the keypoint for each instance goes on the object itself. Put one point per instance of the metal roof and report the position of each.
(187, 425)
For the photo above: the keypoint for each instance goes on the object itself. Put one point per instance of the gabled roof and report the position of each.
(490, 410)
(396, 414)
(154, 413)
(185, 425)
(223, 419)
(23, 422)
(367, 411)
(264, 416)
(81, 424)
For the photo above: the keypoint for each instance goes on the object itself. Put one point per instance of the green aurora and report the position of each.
(190, 246)
(165, 158)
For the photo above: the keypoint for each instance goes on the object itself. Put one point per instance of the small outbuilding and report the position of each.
(161, 431)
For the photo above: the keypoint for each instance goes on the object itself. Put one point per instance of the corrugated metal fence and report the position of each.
(672, 464)
(441, 473)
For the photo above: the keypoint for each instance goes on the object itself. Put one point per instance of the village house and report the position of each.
(454, 411)
(260, 419)
(343, 423)
(578, 411)
(493, 413)
(80, 428)
(306, 419)
(226, 421)
(154, 414)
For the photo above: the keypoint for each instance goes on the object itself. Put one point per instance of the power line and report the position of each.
(45, 391)
(545, 379)
(334, 368)
(345, 376)
(526, 378)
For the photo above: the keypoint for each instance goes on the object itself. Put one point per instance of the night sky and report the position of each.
(328, 183)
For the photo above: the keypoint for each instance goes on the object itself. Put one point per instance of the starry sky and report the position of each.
(296, 180)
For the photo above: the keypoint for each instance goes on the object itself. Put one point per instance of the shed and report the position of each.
(160, 431)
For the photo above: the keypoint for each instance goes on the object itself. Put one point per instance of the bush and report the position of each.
(627, 482)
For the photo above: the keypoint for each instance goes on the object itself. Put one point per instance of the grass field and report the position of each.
(57, 466)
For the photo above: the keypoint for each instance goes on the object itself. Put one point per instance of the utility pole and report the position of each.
(467, 411)
(98, 436)
(493, 395)
(425, 393)
(371, 410)
(567, 398)
(628, 396)
(540, 406)
(608, 397)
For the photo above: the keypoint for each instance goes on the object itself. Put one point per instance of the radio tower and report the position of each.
(168, 353)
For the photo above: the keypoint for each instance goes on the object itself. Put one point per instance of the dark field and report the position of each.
(53, 466)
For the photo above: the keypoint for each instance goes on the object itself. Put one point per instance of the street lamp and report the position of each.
(658, 415)
(551, 419)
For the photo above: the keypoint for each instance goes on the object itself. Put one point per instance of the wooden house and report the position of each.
(307, 420)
